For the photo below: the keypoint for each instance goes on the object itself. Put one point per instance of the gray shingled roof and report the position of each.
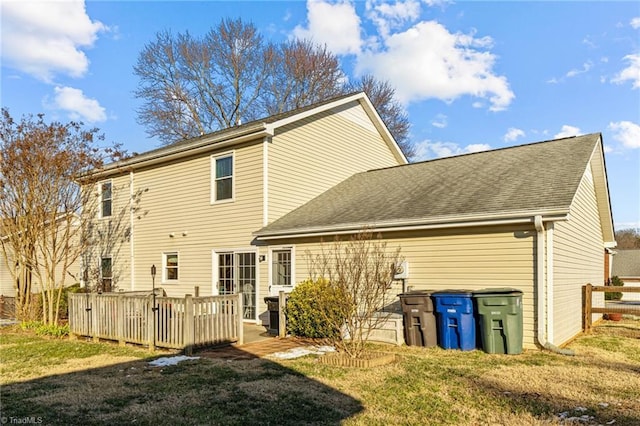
(540, 177)
(626, 263)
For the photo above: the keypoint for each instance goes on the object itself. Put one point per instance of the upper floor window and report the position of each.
(222, 178)
(106, 199)
(281, 267)
(170, 261)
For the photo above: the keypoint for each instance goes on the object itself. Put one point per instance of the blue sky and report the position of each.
(472, 75)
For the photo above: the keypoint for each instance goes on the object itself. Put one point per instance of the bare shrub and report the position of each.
(362, 270)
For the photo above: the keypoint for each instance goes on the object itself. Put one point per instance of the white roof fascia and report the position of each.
(382, 128)
(445, 223)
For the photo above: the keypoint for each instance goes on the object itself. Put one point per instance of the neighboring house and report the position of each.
(191, 208)
(626, 265)
(534, 217)
(7, 282)
(7, 287)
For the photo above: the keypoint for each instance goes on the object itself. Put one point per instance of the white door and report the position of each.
(237, 274)
(281, 271)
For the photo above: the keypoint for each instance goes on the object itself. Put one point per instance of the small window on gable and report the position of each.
(281, 268)
(105, 199)
(222, 178)
(170, 261)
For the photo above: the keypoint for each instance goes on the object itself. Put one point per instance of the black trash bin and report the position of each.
(274, 317)
(419, 320)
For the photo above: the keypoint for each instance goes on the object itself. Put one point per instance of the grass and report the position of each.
(75, 382)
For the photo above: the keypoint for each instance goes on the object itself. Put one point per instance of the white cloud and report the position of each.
(632, 72)
(635, 22)
(513, 134)
(427, 61)
(45, 37)
(440, 121)
(77, 105)
(585, 68)
(436, 2)
(387, 16)
(567, 131)
(336, 25)
(427, 149)
(626, 132)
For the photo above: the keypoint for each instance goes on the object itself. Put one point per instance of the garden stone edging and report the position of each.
(371, 359)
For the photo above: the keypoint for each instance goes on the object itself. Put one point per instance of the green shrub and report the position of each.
(314, 308)
(42, 329)
(616, 295)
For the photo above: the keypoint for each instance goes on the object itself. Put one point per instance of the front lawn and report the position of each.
(76, 382)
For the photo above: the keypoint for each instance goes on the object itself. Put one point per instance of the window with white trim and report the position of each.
(281, 267)
(106, 198)
(222, 176)
(170, 266)
(106, 274)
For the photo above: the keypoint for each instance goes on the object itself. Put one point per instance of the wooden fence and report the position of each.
(610, 306)
(177, 323)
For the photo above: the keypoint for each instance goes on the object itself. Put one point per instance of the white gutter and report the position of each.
(132, 258)
(351, 229)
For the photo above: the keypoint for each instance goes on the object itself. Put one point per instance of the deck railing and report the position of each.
(167, 322)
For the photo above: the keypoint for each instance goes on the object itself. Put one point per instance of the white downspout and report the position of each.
(543, 291)
(537, 221)
(549, 286)
(132, 264)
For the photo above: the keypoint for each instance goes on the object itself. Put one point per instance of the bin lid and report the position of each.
(453, 292)
(416, 293)
(505, 291)
(271, 299)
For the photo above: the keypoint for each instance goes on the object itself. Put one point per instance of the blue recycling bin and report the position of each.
(455, 321)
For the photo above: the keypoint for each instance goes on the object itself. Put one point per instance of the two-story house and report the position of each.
(237, 211)
(191, 208)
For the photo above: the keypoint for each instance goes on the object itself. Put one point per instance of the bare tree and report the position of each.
(43, 211)
(362, 270)
(628, 238)
(303, 73)
(193, 86)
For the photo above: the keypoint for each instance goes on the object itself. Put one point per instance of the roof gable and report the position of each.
(526, 180)
(254, 130)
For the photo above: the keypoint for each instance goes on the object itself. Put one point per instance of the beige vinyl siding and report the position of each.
(470, 258)
(578, 259)
(176, 199)
(114, 230)
(6, 280)
(310, 156)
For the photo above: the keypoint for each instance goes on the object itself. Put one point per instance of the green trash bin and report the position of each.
(500, 319)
